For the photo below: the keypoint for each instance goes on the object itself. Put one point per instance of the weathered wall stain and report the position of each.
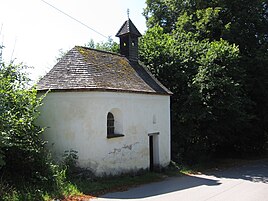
(117, 150)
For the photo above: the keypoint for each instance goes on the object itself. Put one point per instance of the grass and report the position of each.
(101, 186)
(75, 187)
(120, 183)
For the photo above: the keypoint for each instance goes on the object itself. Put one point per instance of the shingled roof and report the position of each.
(128, 27)
(89, 69)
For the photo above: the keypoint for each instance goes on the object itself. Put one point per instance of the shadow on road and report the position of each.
(167, 186)
(255, 171)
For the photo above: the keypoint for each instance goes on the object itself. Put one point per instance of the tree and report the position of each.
(26, 168)
(245, 18)
(219, 85)
(209, 105)
(109, 45)
(20, 137)
(242, 22)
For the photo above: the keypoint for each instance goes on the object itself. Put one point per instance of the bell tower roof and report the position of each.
(128, 28)
(129, 35)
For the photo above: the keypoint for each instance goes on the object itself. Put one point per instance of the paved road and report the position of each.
(245, 183)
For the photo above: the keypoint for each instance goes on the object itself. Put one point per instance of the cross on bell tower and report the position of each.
(128, 35)
(128, 13)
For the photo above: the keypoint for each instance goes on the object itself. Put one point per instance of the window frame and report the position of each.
(110, 123)
(111, 126)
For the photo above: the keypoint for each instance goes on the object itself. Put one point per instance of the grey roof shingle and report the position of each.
(128, 28)
(89, 69)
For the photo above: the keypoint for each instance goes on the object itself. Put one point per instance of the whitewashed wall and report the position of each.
(77, 120)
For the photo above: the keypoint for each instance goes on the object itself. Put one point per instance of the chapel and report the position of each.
(107, 107)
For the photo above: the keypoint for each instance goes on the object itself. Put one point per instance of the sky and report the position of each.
(33, 32)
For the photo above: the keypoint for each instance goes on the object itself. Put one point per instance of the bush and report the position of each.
(20, 137)
(27, 170)
(70, 161)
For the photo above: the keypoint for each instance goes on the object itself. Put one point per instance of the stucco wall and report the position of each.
(77, 120)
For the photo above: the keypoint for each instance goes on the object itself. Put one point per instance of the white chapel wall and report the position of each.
(77, 120)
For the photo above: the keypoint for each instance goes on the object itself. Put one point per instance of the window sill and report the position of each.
(114, 135)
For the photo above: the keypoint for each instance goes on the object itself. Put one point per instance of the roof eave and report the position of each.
(103, 90)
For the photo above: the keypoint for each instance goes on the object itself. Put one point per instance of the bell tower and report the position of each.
(128, 35)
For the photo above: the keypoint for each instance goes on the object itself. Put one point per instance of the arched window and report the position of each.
(114, 124)
(110, 124)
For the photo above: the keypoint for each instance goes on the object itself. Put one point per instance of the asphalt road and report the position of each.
(244, 183)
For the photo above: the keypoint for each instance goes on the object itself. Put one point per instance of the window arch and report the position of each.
(110, 124)
(114, 123)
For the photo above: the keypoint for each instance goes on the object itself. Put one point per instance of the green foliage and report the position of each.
(109, 45)
(242, 22)
(99, 186)
(62, 53)
(27, 170)
(18, 111)
(70, 158)
(221, 98)
(211, 107)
